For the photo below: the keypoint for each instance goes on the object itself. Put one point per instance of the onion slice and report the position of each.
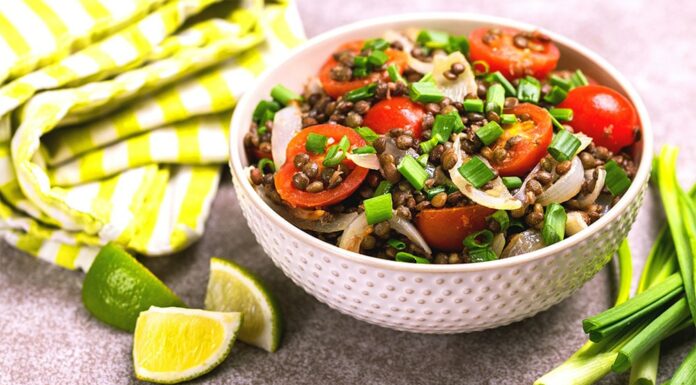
(463, 85)
(586, 200)
(575, 223)
(354, 234)
(498, 244)
(409, 230)
(286, 123)
(370, 161)
(566, 187)
(498, 197)
(524, 242)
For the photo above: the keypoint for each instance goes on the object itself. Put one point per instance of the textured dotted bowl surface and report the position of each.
(434, 298)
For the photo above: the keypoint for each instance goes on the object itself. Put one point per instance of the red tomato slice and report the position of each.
(604, 115)
(336, 88)
(398, 112)
(503, 55)
(445, 229)
(536, 134)
(304, 199)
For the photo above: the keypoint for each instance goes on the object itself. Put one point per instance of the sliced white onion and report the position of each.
(407, 228)
(313, 86)
(354, 233)
(391, 148)
(497, 197)
(370, 161)
(463, 85)
(391, 35)
(313, 220)
(575, 223)
(566, 187)
(586, 200)
(286, 123)
(498, 244)
(524, 242)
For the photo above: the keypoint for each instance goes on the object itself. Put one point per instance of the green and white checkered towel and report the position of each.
(114, 117)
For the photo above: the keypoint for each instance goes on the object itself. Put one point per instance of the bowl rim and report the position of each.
(642, 175)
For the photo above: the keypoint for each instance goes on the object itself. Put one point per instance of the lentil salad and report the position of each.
(426, 147)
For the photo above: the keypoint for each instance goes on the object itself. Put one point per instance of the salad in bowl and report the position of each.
(427, 147)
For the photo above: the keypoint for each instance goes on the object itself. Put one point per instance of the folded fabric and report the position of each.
(114, 117)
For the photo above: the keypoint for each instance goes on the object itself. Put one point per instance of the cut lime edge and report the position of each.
(270, 340)
(231, 330)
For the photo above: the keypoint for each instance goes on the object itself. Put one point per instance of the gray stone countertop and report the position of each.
(46, 336)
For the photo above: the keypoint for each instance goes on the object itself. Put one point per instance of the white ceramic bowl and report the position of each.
(434, 298)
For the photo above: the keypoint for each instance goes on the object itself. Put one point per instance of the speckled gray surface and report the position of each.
(47, 337)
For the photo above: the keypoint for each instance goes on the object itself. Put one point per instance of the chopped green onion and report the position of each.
(427, 78)
(361, 93)
(266, 163)
(344, 144)
(617, 181)
(394, 74)
(316, 143)
(414, 173)
(283, 95)
(564, 145)
(425, 92)
(529, 91)
(423, 160)
(512, 182)
(495, 98)
(443, 127)
(403, 256)
(397, 244)
(686, 372)
(377, 58)
(457, 121)
(360, 72)
(560, 82)
(384, 187)
(376, 44)
(378, 208)
(458, 43)
(489, 132)
(556, 95)
(265, 111)
(364, 150)
(508, 119)
(334, 156)
(428, 145)
(367, 134)
(360, 62)
(516, 225)
(578, 79)
(473, 105)
(553, 229)
(562, 114)
(558, 126)
(478, 240)
(476, 172)
(482, 255)
(433, 39)
(498, 77)
(434, 191)
(501, 216)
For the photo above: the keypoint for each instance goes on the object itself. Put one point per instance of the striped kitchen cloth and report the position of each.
(114, 117)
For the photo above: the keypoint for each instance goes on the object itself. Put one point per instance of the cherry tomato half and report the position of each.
(335, 88)
(398, 112)
(445, 229)
(604, 115)
(304, 199)
(502, 54)
(534, 136)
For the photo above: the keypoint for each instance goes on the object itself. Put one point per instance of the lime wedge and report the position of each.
(117, 288)
(171, 345)
(233, 288)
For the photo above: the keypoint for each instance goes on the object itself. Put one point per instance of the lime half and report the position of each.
(117, 288)
(173, 344)
(233, 288)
